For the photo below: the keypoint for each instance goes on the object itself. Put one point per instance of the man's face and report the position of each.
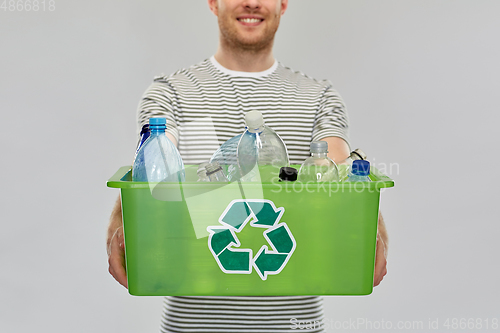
(248, 24)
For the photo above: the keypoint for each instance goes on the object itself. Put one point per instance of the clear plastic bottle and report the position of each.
(319, 167)
(346, 165)
(227, 158)
(158, 160)
(202, 173)
(360, 171)
(215, 173)
(260, 146)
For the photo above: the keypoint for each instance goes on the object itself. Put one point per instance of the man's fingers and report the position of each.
(117, 270)
(116, 258)
(380, 262)
(380, 272)
(117, 236)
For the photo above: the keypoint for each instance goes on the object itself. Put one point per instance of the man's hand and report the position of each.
(380, 261)
(338, 150)
(116, 257)
(116, 246)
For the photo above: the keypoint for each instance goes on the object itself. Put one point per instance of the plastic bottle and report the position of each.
(158, 160)
(319, 167)
(260, 146)
(227, 158)
(202, 173)
(345, 165)
(215, 173)
(360, 171)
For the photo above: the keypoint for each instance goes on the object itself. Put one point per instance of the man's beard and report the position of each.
(232, 38)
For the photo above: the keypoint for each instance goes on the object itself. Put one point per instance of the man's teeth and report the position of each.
(250, 20)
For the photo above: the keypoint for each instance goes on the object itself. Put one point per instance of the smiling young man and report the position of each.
(242, 76)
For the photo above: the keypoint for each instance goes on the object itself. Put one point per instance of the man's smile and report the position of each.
(250, 20)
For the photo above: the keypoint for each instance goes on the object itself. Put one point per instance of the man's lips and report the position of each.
(250, 20)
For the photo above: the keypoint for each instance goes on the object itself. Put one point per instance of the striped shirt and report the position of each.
(205, 105)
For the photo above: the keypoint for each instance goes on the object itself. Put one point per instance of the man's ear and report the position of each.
(284, 6)
(213, 7)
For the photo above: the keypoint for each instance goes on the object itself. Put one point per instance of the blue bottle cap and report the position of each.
(361, 168)
(157, 121)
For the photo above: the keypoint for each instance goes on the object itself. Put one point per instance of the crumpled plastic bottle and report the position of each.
(259, 146)
(227, 158)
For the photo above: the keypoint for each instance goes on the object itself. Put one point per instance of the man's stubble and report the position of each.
(231, 38)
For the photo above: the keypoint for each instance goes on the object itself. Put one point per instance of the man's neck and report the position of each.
(245, 60)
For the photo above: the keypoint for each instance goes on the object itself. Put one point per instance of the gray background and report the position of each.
(420, 79)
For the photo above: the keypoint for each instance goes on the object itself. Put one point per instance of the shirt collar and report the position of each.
(245, 74)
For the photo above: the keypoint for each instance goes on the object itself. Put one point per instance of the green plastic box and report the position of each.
(264, 238)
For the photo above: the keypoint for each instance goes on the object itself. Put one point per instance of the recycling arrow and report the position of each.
(236, 215)
(267, 262)
(235, 261)
(224, 244)
(230, 260)
(221, 240)
(265, 213)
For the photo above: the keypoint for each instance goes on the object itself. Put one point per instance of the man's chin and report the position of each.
(255, 42)
(249, 39)
(254, 45)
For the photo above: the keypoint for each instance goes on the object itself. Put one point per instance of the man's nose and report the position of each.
(252, 4)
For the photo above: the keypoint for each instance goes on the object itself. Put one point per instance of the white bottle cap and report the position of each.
(254, 119)
(319, 147)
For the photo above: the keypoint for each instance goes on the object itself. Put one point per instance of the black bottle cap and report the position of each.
(288, 174)
(145, 129)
